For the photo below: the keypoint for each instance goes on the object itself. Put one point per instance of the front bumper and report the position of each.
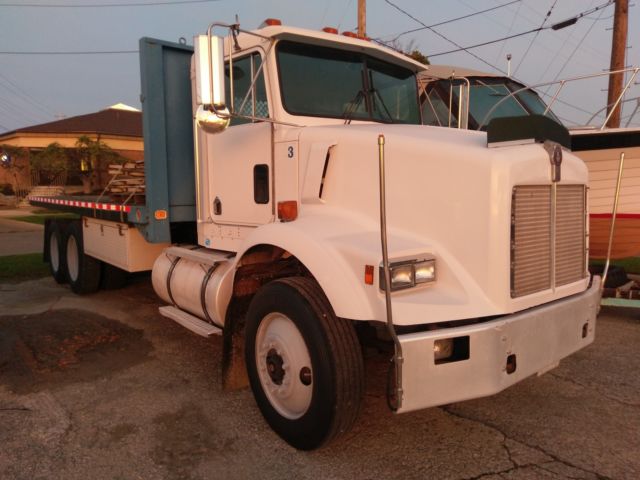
(538, 337)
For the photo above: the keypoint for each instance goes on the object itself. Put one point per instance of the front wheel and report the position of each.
(304, 364)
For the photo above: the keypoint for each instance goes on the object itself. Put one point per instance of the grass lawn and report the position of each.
(18, 268)
(630, 265)
(39, 218)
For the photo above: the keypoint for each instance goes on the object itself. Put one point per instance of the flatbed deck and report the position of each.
(103, 208)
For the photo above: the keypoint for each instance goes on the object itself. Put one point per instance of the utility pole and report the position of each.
(362, 18)
(618, 54)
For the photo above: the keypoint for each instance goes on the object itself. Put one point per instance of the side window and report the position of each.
(244, 69)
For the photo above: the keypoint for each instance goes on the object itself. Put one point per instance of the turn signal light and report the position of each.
(368, 274)
(288, 211)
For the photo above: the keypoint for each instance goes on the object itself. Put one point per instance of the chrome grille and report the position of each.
(570, 234)
(539, 261)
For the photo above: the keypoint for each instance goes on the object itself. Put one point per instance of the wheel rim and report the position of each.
(284, 366)
(73, 260)
(54, 252)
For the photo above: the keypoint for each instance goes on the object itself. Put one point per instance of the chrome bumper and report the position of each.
(539, 338)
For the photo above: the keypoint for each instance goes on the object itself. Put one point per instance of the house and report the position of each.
(119, 127)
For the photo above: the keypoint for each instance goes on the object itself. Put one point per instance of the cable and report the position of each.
(16, 90)
(344, 12)
(576, 18)
(566, 39)
(444, 37)
(450, 20)
(544, 20)
(460, 48)
(108, 52)
(489, 42)
(103, 5)
(513, 22)
(575, 50)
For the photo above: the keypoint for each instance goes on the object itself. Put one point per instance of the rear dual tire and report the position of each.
(83, 271)
(57, 261)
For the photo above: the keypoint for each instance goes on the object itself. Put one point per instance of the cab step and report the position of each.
(199, 255)
(189, 321)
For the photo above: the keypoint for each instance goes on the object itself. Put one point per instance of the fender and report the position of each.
(315, 242)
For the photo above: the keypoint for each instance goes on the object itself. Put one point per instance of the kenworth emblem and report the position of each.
(555, 157)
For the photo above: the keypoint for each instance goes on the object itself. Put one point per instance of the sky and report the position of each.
(38, 88)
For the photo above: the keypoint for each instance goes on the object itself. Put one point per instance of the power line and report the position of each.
(555, 56)
(103, 5)
(460, 48)
(544, 20)
(574, 50)
(555, 26)
(489, 42)
(17, 90)
(12, 110)
(450, 20)
(513, 22)
(104, 52)
(442, 36)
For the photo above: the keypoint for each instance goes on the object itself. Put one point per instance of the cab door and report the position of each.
(240, 157)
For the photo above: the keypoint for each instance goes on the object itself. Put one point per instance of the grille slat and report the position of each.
(532, 232)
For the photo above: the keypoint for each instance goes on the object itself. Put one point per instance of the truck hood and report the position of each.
(448, 195)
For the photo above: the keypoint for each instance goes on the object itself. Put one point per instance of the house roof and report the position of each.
(112, 121)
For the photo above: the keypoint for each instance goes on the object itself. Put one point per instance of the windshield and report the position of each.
(327, 82)
(489, 98)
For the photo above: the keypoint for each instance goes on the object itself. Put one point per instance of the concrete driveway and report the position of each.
(17, 237)
(104, 387)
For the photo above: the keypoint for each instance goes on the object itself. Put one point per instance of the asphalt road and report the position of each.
(103, 387)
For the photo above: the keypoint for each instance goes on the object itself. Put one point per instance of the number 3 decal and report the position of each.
(290, 152)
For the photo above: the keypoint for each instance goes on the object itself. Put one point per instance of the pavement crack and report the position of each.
(15, 409)
(52, 307)
(599, 392)
(533, 447)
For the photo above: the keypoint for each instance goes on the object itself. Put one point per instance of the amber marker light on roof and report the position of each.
(368, 274)
(350, 34)
(271, 22)
(330, 30)
(288, 211)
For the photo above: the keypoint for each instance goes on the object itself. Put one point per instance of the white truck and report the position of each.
(295, 204)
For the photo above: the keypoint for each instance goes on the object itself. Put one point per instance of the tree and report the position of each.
(410, 50)
(52, 162)
(418, 56)
(93, 155)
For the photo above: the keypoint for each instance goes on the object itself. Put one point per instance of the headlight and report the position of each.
(409, 273)
(425, 271)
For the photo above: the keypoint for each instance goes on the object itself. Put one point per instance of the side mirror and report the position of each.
(212, 114)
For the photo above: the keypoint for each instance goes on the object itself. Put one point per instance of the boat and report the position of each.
(463, 98)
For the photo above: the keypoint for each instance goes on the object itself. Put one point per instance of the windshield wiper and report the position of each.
(352, 106)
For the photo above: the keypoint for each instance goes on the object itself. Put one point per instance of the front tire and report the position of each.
(305, 364)
(83, 271)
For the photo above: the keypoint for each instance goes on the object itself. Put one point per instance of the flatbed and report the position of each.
(93, 206)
